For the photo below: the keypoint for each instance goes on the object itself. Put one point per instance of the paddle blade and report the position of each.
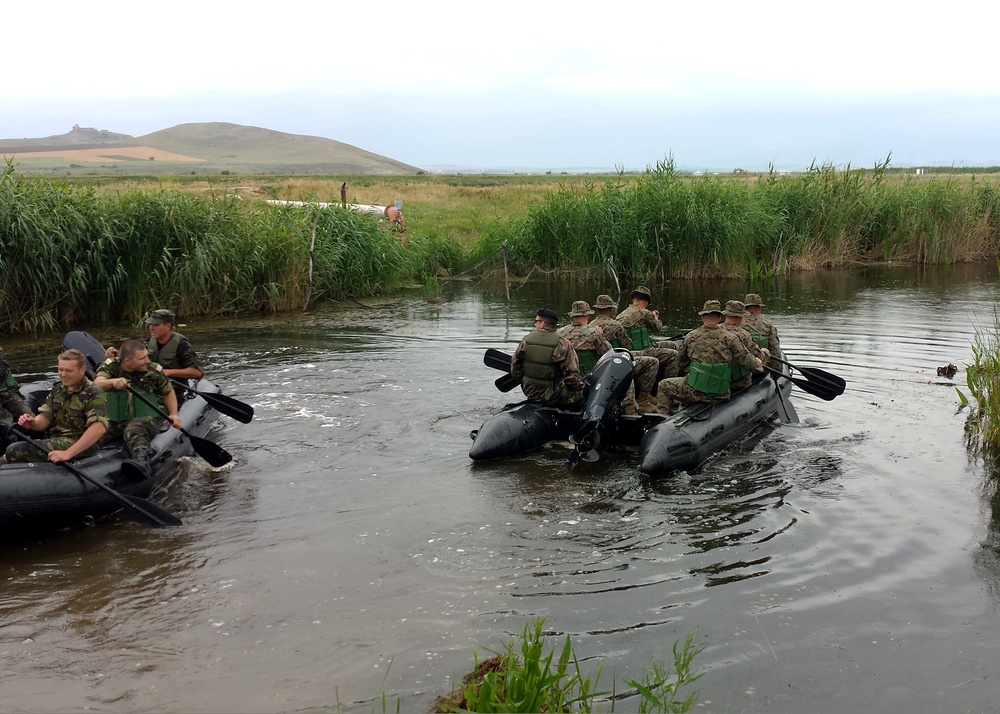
(143, 511)
(506, 383)
(240, 411)
(786, 412)
(831, 381)
(497, 360)
(211, 452)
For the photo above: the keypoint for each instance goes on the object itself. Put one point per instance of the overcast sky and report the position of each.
(549, 85)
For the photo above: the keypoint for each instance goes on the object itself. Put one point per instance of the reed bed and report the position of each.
(662, 223)
(983, 381)
(74, 254)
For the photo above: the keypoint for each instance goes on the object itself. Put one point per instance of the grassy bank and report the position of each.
(100, 249)
(983, 380)
(74, 254)
(662, 224)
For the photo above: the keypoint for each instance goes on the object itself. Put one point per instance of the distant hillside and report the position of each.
(196, 148)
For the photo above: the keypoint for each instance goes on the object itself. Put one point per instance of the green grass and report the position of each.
(522, 677)
(983, 382)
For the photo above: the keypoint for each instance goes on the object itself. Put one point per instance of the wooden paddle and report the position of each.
(139, 509)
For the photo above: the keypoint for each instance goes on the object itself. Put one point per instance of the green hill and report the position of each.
(209, 148)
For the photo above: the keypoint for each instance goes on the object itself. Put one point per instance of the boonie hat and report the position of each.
(753, 299)
(710, 307)
(580, 308)
(158, 317)
(604, 301)
(548, 315)
(734, 308)
(641, 291)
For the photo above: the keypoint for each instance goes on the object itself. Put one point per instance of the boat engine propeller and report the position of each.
(603, 391)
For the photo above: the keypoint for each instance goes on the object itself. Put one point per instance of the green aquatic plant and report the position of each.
(982, 378)
(522, 677)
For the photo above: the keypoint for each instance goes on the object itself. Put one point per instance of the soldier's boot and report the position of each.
(140, 460)
(647, 405)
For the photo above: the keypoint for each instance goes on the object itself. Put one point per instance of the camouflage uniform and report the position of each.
(764, 334)
(70, 412)
(176, 354)
(136, 431)
(566, 387)
(12, 404)
(585, 338)
(708, 344)
(634, 317)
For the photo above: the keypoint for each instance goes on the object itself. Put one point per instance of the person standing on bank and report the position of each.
(171, 350)
(709, 351)
(129, 417)
(547, 365)
(75, 414)
(641, 324)
(740, 377)
(644, 368)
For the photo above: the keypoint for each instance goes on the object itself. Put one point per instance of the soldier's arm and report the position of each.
(569, 364)
(189, 368)
(91, 436)
(102, 379)
(170, 400)
(517, 361)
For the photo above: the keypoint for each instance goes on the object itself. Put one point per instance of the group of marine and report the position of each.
(131, 392)
(706, 364)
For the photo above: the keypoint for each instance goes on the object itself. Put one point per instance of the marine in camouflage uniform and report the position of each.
(735, 313)
(589, 342)
(641, 324)
(645, 368)
(547, 365)
(12, 404)
(761, 329)
(75, 414)
(708, 351)
(130, 418)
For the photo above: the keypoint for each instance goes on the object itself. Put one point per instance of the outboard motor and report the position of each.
(604, 389)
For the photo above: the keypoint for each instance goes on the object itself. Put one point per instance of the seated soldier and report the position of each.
(547, 365)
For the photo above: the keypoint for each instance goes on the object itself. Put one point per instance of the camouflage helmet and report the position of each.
(604, 302)
(711, 306)
(158, 317)
(643, 292)
(753, 299)
(580, 308)
(734, 308)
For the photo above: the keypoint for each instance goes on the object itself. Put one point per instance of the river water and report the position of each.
(352, 549)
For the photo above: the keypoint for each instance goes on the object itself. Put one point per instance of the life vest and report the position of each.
(165, 355)
(123, 405)
(588, 358)
(9, 383)
(539, 368)
(639, 336)
(737, 371)
(759, 337)
(709, 377)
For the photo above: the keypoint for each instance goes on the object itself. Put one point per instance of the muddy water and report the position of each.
(846, 563)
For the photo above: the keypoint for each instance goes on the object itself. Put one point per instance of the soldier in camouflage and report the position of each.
(760, 328)
(12, 404)
(645, 367)
(589, 342)
(547, 365)
(75, 414)
(708, 351)
(171, 350)
(129, 417)
(740, 378)
(641, 324)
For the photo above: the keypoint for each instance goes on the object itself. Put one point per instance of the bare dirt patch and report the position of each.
(108, 153)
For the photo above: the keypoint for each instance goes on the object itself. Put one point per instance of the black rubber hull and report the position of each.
(684, 441)
(44, 497)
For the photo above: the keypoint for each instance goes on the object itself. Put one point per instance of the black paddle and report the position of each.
(506, 382)
(814, 374)
(240, 411)
(501, 361)
(815, 388)
(786, 412)
(139, 509)
(211, 452)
